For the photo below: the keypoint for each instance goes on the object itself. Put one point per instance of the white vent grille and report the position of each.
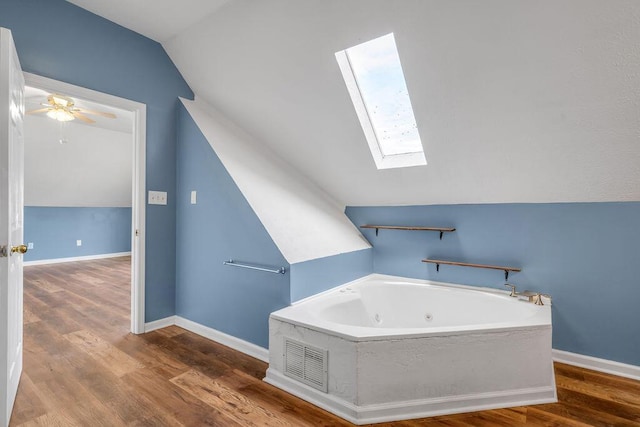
(305, 363)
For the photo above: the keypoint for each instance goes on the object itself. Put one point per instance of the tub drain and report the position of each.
(378, 318)
(428, 317)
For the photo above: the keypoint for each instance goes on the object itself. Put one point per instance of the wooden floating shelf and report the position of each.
(441, 230)
(506, 270)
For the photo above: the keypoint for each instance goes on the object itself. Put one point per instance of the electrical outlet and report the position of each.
(30, 245)
(78, 242)
(157, 197)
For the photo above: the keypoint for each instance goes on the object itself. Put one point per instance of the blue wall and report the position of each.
(317, 275)
(54, 231)
(95, 53)
(585, 255)
(219, 227)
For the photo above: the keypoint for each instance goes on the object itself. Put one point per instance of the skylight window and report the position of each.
(374, 78)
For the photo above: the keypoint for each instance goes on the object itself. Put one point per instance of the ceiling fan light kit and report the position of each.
(60, 115)
(63, 109)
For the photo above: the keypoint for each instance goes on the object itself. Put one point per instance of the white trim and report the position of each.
(597, 364)
(588, 362)
(159, 324)
(230, 341)
(238, 344)
(138, 182)
(74, 259)
(414, 408)
(138, 223)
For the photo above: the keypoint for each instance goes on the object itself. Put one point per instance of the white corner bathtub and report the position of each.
(400, 348)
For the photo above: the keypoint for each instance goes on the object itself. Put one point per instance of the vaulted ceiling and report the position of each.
(516, 101)
(158, 20)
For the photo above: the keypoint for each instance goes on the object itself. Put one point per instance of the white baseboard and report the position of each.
(159, 324)
(74, 259)
(596, 364)
(260, 353)
(238, 344)
(242, 346)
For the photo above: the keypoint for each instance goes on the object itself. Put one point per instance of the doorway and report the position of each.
(109, 104)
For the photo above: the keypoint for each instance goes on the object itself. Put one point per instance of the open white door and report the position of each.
(11, 215)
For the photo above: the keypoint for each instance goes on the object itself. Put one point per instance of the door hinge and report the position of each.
(137, 233)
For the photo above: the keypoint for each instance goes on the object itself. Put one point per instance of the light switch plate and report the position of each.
(193, 197)
(157, 197)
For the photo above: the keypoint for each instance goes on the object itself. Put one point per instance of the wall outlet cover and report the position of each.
(78, 242)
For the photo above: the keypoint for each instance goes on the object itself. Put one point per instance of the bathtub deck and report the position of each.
(82, 367)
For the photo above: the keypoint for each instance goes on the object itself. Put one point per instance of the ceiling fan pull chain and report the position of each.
(61, 129)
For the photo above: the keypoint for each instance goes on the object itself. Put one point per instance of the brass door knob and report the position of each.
(20, 249)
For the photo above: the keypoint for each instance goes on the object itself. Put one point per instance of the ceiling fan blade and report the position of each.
(40, 110)
(97, 113)
(82, 117)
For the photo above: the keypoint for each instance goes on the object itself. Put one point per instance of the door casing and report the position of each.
(138, 204)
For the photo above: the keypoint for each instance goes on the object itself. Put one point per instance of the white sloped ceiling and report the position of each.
(516, 101)
(157, 19)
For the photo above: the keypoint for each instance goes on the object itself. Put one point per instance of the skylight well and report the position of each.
(374, 78)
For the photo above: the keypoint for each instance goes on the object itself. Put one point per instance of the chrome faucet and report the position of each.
(534, 297)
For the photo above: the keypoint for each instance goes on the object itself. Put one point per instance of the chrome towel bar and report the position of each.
(232, 263)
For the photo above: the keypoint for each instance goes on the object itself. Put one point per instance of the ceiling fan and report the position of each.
(63, 109)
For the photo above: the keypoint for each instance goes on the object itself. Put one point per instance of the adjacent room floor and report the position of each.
(82, 367)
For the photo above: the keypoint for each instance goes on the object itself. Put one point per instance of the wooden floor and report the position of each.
(83, 368)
